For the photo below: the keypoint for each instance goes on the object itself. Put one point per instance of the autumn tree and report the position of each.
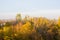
(59, 21)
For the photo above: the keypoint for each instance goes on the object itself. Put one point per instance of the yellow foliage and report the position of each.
(26, 28)
(6, 29)
(59, 21)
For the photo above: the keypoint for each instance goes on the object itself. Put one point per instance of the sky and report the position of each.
(44, 8)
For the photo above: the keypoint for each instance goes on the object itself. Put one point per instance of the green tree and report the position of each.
(18, 17)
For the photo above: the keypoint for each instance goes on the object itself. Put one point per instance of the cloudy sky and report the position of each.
(44, 8)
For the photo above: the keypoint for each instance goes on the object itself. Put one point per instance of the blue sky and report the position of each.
(45, 8)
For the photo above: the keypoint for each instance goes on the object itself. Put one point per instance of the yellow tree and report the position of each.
(59, 21)
(26, 28)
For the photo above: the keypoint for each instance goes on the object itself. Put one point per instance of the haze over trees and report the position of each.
(30, 28)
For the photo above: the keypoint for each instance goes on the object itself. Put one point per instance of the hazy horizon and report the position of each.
(45, 8)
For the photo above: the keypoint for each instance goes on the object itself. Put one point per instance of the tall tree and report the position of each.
(18, 17)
